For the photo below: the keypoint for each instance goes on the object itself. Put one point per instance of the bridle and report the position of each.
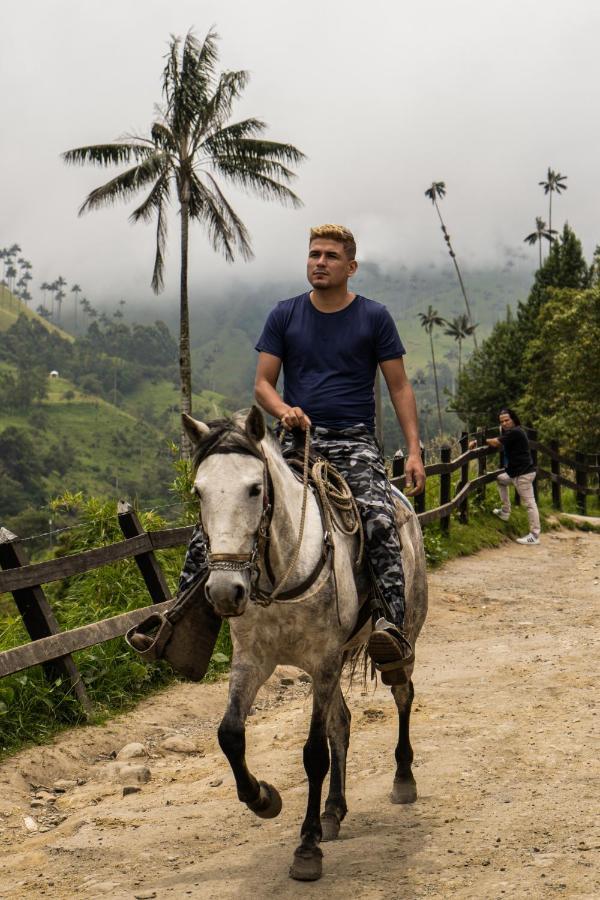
(251, 562)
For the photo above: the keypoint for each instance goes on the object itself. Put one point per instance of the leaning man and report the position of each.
(329, 342)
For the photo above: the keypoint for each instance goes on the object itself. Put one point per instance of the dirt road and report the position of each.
(506, 753)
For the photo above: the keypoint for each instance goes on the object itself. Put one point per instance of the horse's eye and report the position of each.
(255, 490)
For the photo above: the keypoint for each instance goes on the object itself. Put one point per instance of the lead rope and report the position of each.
(277, 589)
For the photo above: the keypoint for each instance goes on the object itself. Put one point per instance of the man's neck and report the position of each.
(332, 300)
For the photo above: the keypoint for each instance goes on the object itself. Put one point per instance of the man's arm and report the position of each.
(491, 442)
(405, 407)
(267, 373)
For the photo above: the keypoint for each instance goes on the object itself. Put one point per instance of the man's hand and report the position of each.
(415, 475)
(294, 417)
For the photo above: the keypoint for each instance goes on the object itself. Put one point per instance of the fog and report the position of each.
(383, 98)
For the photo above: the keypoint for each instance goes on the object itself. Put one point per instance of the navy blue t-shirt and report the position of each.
(330, 359)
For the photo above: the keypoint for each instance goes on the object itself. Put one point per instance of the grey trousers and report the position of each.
(524, 487)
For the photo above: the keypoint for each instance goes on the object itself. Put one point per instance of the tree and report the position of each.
(459, 328)
(555, 183)
(58, 298)
(429, 321)
(191, 146)
(497, 374)
(541, 231)
(438, 190)
(75, 290)
(562, 368)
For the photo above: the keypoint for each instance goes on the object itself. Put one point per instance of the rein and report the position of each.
(333, 495)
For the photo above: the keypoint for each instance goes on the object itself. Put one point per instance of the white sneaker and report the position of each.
(528, 539)
(501, 514)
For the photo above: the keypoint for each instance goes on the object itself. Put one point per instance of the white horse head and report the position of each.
(231, 485)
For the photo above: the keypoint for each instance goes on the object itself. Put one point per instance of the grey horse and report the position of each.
(241, 476)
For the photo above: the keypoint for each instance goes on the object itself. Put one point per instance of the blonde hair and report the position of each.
(338, 233)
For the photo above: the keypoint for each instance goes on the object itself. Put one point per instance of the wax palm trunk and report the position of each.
(435, 379)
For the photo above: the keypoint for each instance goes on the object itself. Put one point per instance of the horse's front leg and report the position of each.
(244, 682)
(338, 732)
(308, 857)
(405, 787)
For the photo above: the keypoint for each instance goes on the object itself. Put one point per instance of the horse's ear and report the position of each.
(195, 429)
(255, 425)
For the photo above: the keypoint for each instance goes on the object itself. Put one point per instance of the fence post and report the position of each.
(147, 563)
(481, 461)
(445, 480)
(533, 436)
(420, 498)
(555, 469)
(398, 464)
(463, 513)
(38, 617)
(581, 479)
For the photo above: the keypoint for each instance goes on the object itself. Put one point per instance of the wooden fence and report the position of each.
(52, 648)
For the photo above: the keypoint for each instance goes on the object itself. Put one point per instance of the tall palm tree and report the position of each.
(75, 290)
(44, 286)
(541, 232)
(435, 192)
(59, 297)
(429, 321)
(190, 148)
(11, 274)
(555, 183)
(459, 328)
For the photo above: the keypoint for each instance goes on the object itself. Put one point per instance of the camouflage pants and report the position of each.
(356, 454)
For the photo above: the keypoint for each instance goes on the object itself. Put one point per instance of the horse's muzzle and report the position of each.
(228, 593)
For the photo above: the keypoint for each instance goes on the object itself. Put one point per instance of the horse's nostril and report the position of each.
(239, 592)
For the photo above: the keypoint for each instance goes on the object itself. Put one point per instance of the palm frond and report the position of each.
(217, 109)
(126, 184)
(188, 81)
(251, 175)
(107, 154)
(234, 223)
(206, 207)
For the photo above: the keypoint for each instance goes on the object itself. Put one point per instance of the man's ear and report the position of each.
(352, 266)
(255, 425)
(195, 429)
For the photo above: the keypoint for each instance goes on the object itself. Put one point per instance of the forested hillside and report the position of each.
(103, 423)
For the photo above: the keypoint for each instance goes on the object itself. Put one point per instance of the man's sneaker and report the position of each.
(501, 514)
(528, 539)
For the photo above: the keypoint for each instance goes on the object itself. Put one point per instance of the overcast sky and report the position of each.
(382, 97)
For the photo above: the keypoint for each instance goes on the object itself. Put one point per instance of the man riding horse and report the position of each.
(330, 342)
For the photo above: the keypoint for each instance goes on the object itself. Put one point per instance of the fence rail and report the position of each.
(52, 648)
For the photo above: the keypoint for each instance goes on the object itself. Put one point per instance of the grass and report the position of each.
(33, 709)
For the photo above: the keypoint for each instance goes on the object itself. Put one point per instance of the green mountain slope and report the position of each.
(12, 307)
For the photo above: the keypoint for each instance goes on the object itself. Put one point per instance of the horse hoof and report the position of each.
(307, 864)
(404, 791)
(269, 804)
(330, 826)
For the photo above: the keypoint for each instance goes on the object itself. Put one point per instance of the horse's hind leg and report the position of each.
(338, 732)
(307, 864)
(260, 797)
(405, 787)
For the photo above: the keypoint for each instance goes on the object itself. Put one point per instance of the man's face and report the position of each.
(505, 421)
(328, 266)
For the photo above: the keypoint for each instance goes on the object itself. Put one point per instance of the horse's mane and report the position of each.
(227, 435)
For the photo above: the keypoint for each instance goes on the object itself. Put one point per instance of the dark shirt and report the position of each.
(516, 453)
(330, 359)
